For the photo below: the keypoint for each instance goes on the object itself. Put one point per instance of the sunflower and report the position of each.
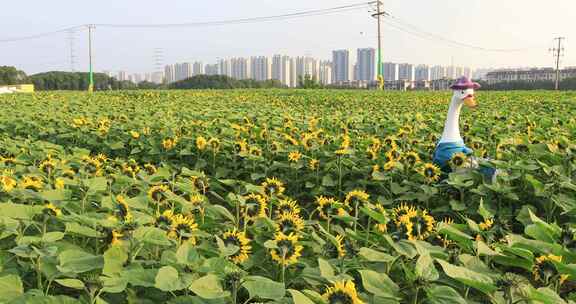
(371, 154)
(430, 172)
(240, 240)
(375, 144)
(201, 143)
(411, 158)
(135, 134)
(391, 141)
(544, 269)
(59, 183)
(47, 166)
(7, 181)
(342, 292)
(273, 186)
(169, 143)
(150, 169)
(7, 160)
(291, 140)
(287, 250)
(294, 156)
(131, 168)
(390, 165)
(401, 210)
(308, 141)
(182, 228)
(164, 221)
(31, 183)
(214, 144)
(419, 225)
(287, 205)
(158, 193)
(200, 182)
(52, 210)
(340, 246)
(355, 197)
(289, 222)
(241, 146)
(197, 199)
(486, 224)
(122, 209)
(393, 155)
(313, 164)
(255, 206)
(116, 238)
(458, 160)
(275, 147)
(325, 206)
(381, 227)
(92, 165)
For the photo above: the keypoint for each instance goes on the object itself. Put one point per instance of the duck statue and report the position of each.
(451, 142)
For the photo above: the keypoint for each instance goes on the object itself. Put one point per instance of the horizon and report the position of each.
(132, 50)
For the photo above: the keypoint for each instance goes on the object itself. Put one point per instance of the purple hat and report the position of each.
(464, 83)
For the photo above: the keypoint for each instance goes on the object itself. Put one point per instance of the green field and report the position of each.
(284, 196)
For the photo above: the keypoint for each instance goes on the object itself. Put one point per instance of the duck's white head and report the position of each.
(464, 96)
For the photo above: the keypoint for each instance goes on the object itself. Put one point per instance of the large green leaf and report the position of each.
(19, 211)
(326, 270)
(378, 284)
(471, 278)
(299, 298)
(208, 287)
(71, 283)
(438, 294)
(263, 288)
(75, 228)
(425, 268)
(168, 279)
(77, 261)
(152, 236)
(375, 256)
(10, 287)
(114, 259)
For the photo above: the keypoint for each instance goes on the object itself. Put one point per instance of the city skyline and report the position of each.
(133, 49)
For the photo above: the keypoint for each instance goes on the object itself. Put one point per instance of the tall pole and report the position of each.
(557, 54)
(379, 68)
(91, 74)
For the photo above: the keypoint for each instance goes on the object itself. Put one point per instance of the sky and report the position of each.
(529, 25)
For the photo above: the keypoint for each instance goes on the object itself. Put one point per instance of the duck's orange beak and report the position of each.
(470, 102)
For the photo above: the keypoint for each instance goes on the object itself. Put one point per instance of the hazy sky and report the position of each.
(493, 24)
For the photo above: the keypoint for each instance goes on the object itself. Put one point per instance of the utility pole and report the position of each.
(91, 74)
(378, 16)
(557, 51)
(72, 51)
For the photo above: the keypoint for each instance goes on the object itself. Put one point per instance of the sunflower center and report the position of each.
(340, 297)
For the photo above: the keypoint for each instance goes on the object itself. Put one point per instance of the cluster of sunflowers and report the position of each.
(323, 197)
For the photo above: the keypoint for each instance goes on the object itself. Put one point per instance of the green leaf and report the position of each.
(54, 195)
(96, 184)
(328, 181)
(77, 261)
(326, 270)
(541, 230)
(375, 256)
(167, 279)
(208, 287)
(53, 236)
(374, 215)
(402, 247)
(71, 283)
(18, 211)
(187, 254)
(378, 284)
(10, 287)
(483, 211)
(264, 288)
(113, 284)
(425, 268)
(299, 298)
(152, 236)
(140, 277)
(444, 295)
(114, 259)
(471, 278)
(75, 228)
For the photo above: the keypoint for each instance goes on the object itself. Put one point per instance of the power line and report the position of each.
(36, 36)
(308, 13)
(558, 52)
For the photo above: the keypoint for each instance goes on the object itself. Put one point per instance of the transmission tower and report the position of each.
(558, 51)
(71, 44)
(159, 62)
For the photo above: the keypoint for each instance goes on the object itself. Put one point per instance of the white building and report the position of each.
(422, 72)
(240, 68)
(170, 73)
(211, 69)
(281, 69)
(390, 71)
(366, 65)
(342, 67)
(406, 71)
(122, 76)
(158, 77)
(325, 72)
(437, 72)
(225, 67)
(261, 68)
(198, 68)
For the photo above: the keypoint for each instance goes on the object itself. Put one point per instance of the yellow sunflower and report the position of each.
(289, 222)
(116, 238)
(201, 143)
(340, 248)
(430, 172)
(313, 164)
(240, 240)
(135, 134)
(287, 205)
(287, 250)
(255, 206)
(182, 228)
(486, 224)
(158, 193)
(150, 169)
(214, 144)
(458, 160)
(122, 209)
(356, 196)
(380, 227)
(325, 206)
(165, 220)
(401, 210)
(273, 186)
(169, 143)
(418, 226)
(7, 181)
(52, 210)
(31, 183)
(342, 292)
(47, 166)
(294, 156)
(411, 159)
(544, 269)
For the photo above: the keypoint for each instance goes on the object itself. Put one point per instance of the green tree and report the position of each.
(11, 75)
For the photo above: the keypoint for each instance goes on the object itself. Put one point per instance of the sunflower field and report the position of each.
(284, 196)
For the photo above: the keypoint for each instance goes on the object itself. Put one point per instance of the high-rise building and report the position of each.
(422, 72)
(211, 69)
(325, 72)
(261, 68)
(158, 77)
(366, 65)
(467, 72)
(303, 66)
(437, 72)
(240, 68)
(170, 73)
(406, 71)
(390, 71)
(122, 76)
(197, 68)
(342, 67)
(281, 69)
(225, 67)
(451, 72)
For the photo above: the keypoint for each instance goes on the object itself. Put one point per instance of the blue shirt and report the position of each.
(445, 150)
